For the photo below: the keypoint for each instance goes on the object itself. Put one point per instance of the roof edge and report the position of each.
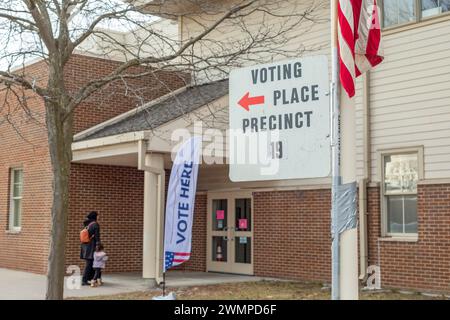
(110, 140)
(98, 127)
(83, 134)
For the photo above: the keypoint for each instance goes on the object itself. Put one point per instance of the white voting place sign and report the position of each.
(280, 121)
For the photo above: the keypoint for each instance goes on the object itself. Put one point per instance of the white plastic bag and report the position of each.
(170, 296)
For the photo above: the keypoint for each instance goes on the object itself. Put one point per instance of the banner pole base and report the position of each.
(164, 283)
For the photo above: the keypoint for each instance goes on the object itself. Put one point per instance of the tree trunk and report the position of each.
(60, 141)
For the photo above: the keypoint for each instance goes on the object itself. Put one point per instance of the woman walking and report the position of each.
(88, 246)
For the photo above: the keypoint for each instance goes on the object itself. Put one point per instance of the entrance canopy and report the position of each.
(115, 142)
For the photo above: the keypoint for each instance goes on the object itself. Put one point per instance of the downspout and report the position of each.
(180, 28)
(363, 238)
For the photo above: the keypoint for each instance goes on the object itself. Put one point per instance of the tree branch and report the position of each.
(24, 23)
(14, 79)
(43, 22)
(92, 26)
(95, 85)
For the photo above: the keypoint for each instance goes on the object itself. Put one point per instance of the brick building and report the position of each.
(25, 159)
(403, 171)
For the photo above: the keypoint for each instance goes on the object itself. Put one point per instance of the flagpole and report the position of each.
(345, 276)
(335, 152)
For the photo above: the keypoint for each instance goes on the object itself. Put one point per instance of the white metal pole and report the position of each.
(335, 150)
(347, 242)
(344, 246)
(160, 229)
(349, 239)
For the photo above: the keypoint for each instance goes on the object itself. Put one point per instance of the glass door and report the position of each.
(242, 236)
(219, 234)
(230, 233)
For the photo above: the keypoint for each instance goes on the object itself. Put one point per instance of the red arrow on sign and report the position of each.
(247, 101)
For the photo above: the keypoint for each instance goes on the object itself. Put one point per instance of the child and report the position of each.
(100, 258)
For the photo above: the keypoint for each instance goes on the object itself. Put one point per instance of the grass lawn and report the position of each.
(261, 290)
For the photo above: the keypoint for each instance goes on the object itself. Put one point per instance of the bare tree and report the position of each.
(54, 30)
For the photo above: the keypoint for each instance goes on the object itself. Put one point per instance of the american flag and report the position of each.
(175, 258)
(359, 37)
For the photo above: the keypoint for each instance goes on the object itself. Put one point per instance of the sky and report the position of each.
(17, 48)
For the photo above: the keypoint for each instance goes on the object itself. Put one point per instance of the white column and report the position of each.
(349, 239)
(152, 225)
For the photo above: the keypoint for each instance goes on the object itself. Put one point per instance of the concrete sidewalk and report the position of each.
(18, 285)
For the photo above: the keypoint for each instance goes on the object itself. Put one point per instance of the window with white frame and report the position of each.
(431, 8)
(400, 177)
(398, 12)
(15, 206)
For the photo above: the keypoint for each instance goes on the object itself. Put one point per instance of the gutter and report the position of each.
(363, 243)
(109, 140)
(362, 187)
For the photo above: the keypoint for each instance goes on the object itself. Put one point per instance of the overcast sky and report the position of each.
(17, 49)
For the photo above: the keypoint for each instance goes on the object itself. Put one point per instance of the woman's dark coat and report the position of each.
(88, 249)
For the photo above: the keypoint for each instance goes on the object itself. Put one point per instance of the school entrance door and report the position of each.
(230, 233)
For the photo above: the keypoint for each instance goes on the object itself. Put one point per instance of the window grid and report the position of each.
(15, 209)
(386, 196)
(418, 13)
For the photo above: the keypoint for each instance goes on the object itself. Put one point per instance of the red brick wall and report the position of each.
(422, 265)
(23, 143)
(292, 234)
(118, 96)
(292, 239)
(117, 194)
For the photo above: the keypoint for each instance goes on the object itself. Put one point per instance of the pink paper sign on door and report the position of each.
(243, 224)
(220, 214)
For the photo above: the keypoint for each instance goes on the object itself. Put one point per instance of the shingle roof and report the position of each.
(169, 109)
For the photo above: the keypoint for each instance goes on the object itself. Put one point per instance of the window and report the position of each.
(434, 7)
(400, 172)
(398, 12)
(15, 207)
